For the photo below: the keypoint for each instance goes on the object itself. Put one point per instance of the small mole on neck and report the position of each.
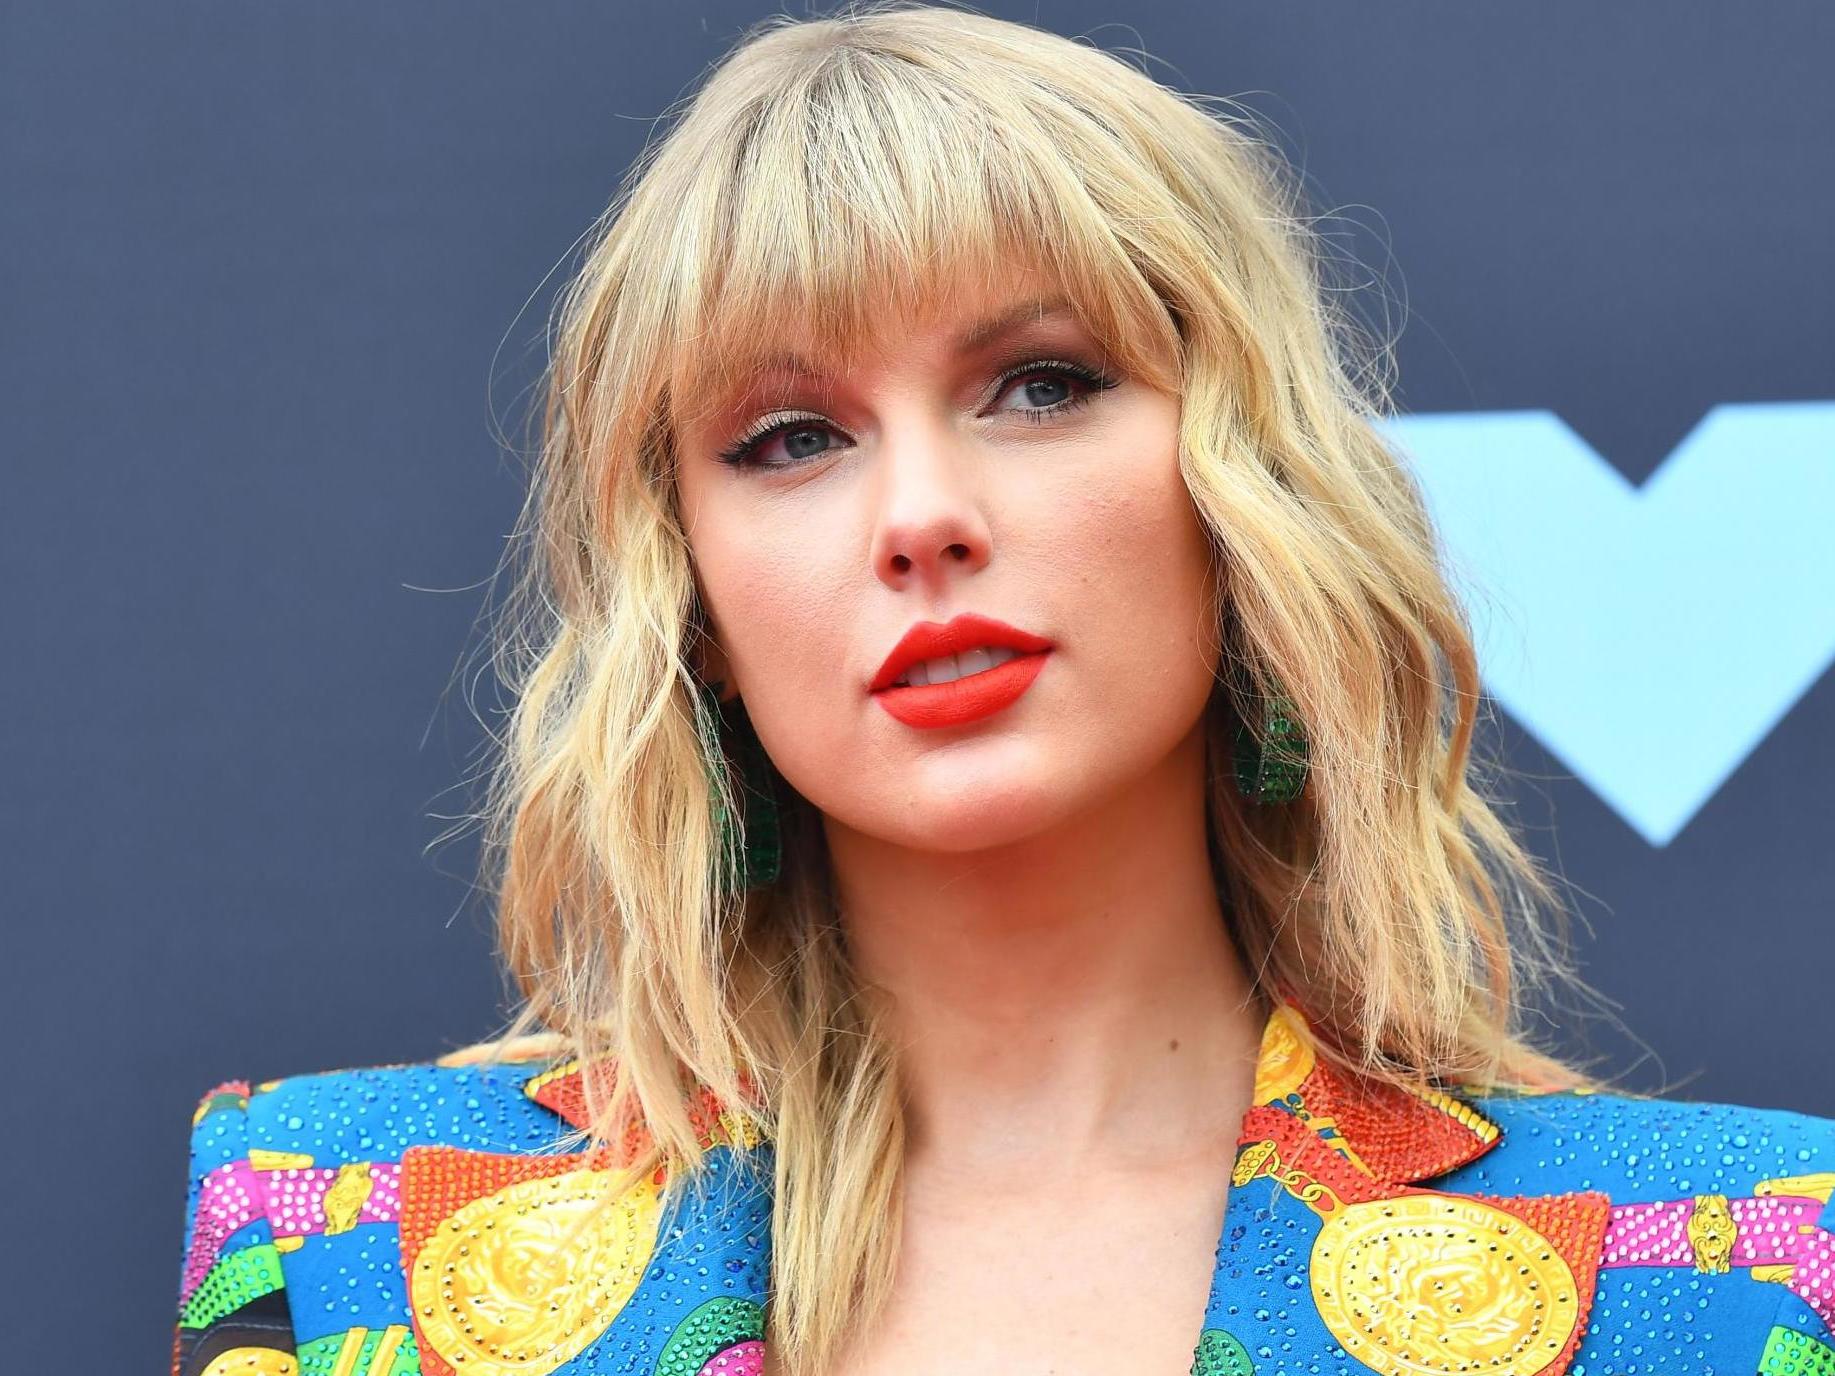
(1173, 1045)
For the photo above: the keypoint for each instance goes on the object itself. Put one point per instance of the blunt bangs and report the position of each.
(871, 191)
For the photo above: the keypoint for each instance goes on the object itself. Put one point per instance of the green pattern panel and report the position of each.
(709, 1328)
(244, 1275)
(1221, 1354)
(1790, 1353)
(320, 1356)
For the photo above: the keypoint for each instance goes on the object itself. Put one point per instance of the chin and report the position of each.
(972, 813)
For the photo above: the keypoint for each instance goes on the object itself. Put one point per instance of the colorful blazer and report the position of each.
(419, 1219)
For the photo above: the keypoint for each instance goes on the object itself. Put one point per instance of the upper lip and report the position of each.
(935, 639)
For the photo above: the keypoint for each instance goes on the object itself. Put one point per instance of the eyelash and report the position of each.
(743, 452)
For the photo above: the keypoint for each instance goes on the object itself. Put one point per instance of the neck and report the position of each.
(1079, 984)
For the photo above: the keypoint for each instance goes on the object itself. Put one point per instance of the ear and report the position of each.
(708, 658)
(717, 670)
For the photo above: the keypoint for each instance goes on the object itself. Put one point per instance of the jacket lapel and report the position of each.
(1332, 1249)
(1386, 1133)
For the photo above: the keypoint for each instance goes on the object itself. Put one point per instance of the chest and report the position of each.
(1094, 1278)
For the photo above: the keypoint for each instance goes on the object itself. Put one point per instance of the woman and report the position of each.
(988, 838)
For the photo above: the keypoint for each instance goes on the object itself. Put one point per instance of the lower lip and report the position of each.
(966, 699)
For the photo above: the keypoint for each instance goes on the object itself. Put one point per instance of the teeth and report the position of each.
(952, 667)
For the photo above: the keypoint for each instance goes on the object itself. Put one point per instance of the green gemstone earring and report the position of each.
(762, 860)
(1271, 766)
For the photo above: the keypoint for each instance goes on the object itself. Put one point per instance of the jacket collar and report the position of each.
(1395, 1136)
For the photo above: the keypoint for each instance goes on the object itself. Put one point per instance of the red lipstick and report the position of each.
(971, 697)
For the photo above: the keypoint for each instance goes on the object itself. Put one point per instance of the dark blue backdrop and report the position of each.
(275, 276)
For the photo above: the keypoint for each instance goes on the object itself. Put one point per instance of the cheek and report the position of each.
(1141, 561)
(781, 619)
(781, 599)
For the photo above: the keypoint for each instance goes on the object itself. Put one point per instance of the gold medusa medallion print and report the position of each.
(1419, 1282)
(521, 1280)
(1423, 1284)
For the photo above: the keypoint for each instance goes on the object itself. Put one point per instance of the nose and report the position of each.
(930, 524)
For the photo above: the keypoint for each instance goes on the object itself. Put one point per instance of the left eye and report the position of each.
(1052, 374)
(1030, 388)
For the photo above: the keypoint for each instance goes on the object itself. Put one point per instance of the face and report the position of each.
(1008, 472)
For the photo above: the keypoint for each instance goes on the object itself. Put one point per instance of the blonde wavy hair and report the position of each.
(831, 171)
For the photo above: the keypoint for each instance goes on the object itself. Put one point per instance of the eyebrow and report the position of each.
(976, 336)
(987, 331)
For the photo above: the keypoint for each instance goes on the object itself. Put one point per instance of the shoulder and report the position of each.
(320, 1203)
(1631, 1142)
(378, 1111)
(291, 1179)
(1710, 1225)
